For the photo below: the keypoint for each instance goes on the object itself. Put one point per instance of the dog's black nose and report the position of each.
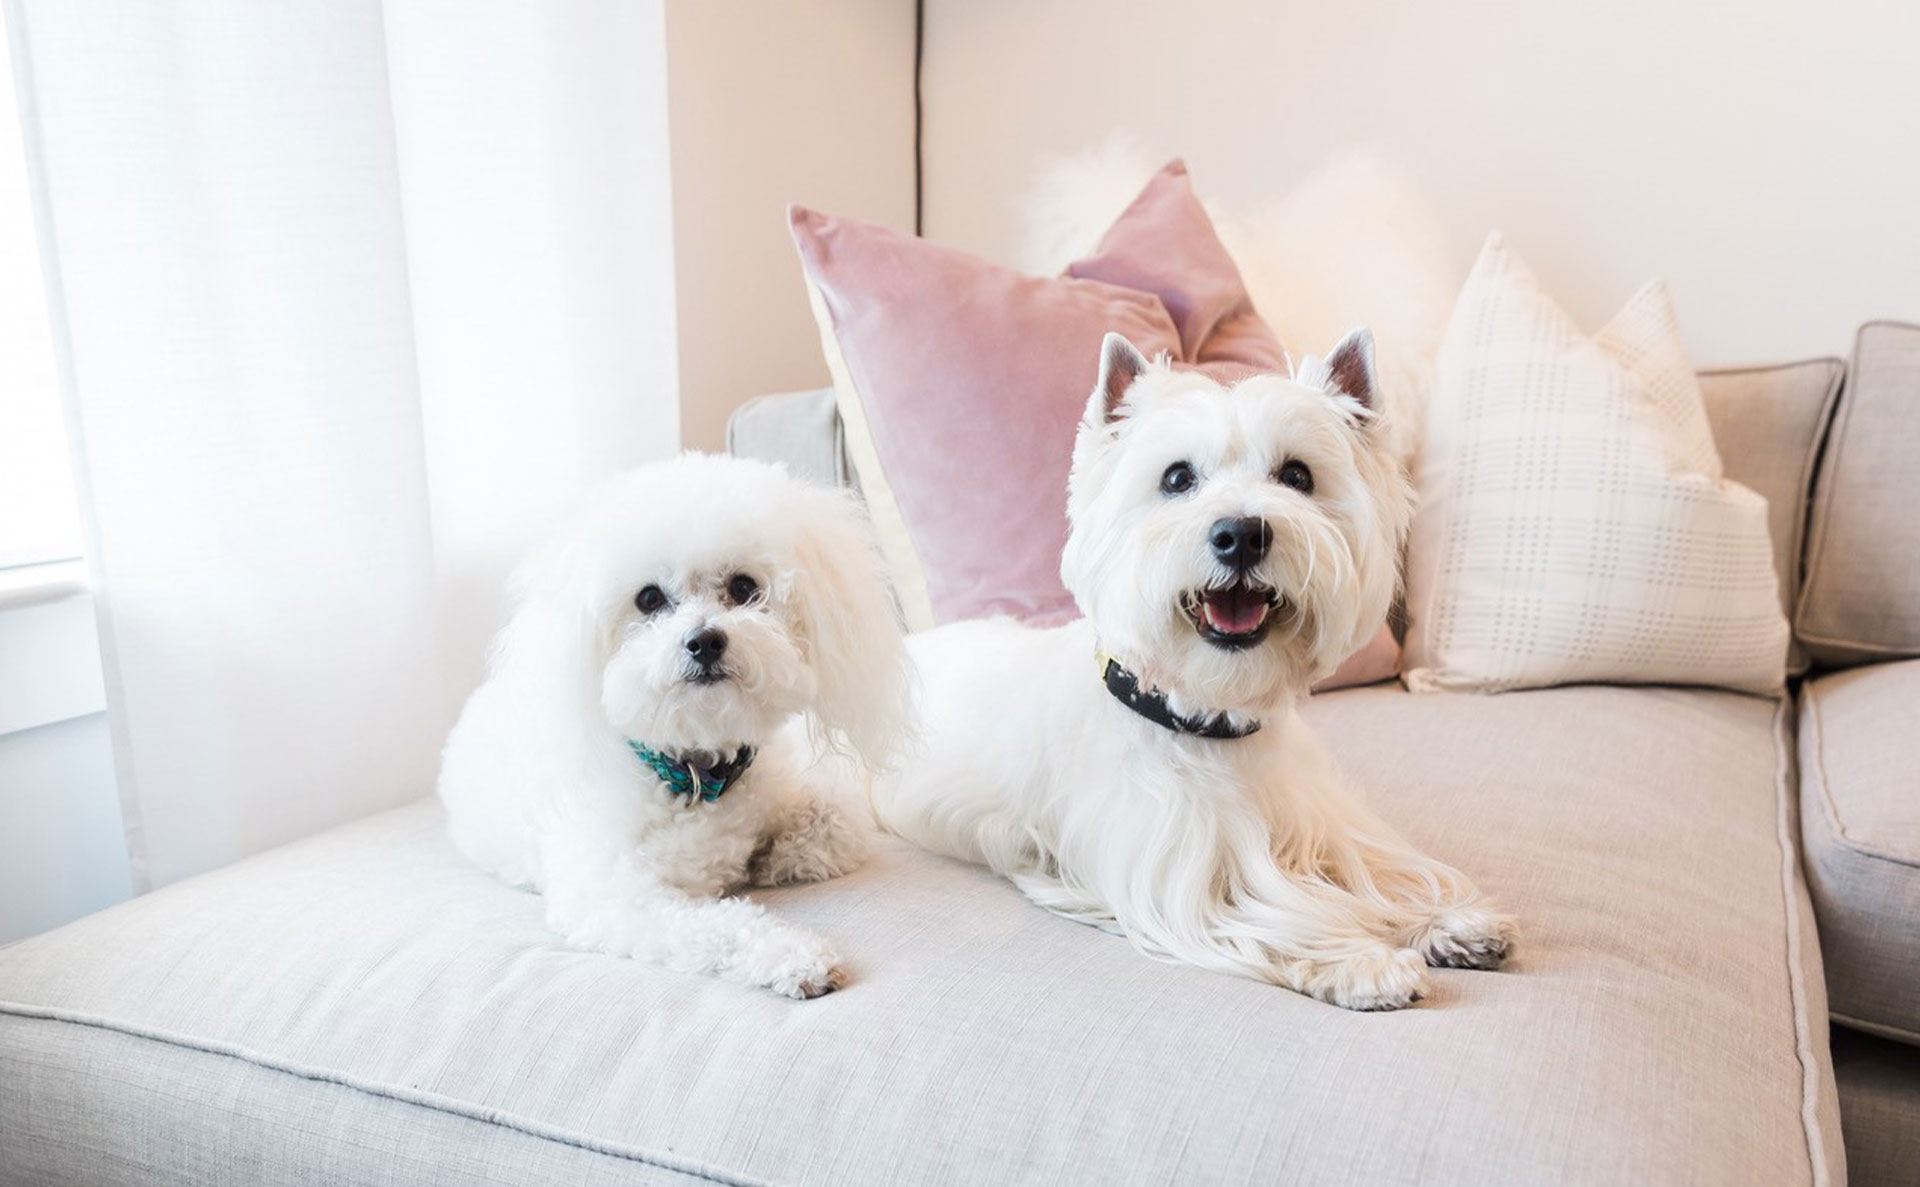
(706, 645)
(1240, 543)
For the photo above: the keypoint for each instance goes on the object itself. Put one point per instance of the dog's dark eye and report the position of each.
(1296, 475)
(1178, 479)
(650, 600)
(741, 589)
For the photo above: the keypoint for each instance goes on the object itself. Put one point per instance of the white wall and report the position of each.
(1762, 156)
(808, 102)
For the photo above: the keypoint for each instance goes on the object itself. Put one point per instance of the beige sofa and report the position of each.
(1704, 879)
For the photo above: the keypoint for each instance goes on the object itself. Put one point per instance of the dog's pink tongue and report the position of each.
(1236, 611)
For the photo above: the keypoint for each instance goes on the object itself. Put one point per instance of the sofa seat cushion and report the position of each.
(1860, 816)
(364, 1007)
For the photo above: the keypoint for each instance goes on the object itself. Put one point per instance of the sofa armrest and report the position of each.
(801, 429)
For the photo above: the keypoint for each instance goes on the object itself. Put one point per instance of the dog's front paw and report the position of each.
(811, 981)
(1465, 938)
(815, 842)
(1379, 978)
(793, 963)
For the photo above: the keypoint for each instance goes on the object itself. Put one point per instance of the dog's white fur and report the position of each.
(542, 788)
(1249, 856)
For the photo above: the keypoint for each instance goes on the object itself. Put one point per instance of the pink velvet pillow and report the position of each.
(970, 379)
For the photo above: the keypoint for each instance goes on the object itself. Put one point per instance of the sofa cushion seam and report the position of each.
(1823, 360)
(1898, 1034)
(1896, 649)
(499, 1118)
(1796, 980)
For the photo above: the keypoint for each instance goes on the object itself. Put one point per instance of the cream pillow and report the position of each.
(1574, 522)
(1352, 243)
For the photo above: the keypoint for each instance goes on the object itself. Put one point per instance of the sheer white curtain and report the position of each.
(353, 298)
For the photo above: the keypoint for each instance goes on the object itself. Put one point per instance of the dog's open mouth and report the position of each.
(707, 676)
(1232, 616)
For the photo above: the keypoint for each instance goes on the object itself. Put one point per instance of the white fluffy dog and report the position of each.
(1228, 546)
(624, 755)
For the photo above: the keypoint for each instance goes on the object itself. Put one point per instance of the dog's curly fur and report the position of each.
(1249, 856)
(542, 788)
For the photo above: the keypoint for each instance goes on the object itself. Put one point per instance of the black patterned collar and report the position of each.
(1125, 687)
(685, 777)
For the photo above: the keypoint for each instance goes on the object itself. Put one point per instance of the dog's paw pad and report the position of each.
(1467, 938)
(814, 981)
(835, 978)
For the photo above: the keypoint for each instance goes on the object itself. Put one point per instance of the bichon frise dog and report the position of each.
(1228, 547)
(625, 755)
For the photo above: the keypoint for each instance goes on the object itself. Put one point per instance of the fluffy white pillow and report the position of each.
(1574, 523)
(1352, 244)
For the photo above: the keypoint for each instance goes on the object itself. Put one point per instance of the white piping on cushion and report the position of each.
(1796, 981)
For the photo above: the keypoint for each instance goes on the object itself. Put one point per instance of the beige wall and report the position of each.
(806, 101)
(1763, 156)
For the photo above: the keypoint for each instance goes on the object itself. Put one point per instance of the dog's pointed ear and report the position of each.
(1350, 368)
(851, 627)
(1120, 365)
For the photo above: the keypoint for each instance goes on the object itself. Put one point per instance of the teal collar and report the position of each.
(683, 777)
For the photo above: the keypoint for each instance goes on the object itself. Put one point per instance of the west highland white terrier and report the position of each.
(1144, 768)
(625, 755)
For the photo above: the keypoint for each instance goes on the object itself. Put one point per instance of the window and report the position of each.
(39, 513)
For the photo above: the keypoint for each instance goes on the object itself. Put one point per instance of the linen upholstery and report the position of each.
(367, 1004)
(1862, 595)
(1575, 523)
(1880, 1095)
(799, 429)
(1860, 809)
(1768, 426)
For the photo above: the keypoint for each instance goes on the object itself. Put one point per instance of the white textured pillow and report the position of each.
(1574, 523)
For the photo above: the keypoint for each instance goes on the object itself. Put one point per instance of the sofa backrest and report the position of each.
(1861, 597)
(1768, 423)
(1839, 464)
(801, 429)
